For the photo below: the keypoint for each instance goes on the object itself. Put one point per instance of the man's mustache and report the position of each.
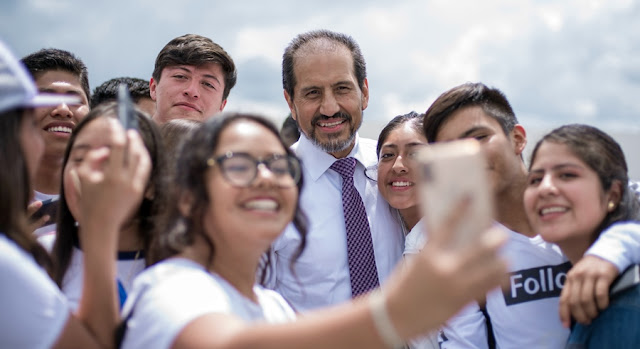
(338, 115)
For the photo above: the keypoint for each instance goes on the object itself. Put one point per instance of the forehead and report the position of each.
(97, 132)
(552, 153)
(58, 79)
(462, 122)
(243, 135)
(405, 133)
(209, 69)
(321, 61)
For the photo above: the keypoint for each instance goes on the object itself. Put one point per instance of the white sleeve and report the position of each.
(163, 310)
(619, 244)
(34, 311)
(467, 329)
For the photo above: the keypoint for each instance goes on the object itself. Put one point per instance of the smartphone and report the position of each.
(629, 278)
(450, 172)
(49, 207)
(126, 109)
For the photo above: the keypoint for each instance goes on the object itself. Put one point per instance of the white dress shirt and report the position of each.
(322, 273)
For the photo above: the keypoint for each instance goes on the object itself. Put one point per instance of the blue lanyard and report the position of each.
(122, 294)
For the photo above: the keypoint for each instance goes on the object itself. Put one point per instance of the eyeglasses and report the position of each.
(241, 169)
(371, 172)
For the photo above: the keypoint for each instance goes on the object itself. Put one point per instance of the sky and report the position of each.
(558, 62)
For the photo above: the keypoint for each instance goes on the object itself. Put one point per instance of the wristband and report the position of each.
(384, 327)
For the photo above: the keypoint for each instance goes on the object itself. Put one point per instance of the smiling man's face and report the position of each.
(57, 122)
(188, 92)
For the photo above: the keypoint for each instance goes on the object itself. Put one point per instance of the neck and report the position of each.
(129, 239)
(574, 249)
(410, 216)
(510, 207)
(49, 173)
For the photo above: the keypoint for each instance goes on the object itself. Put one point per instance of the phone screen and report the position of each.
(50, 208)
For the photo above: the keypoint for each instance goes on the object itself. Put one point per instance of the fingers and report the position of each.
(563, 308)
(33, 207)
(587, 299)
(602, 293)
(139, 160)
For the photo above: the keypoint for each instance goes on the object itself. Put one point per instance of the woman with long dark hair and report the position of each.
(35, 313)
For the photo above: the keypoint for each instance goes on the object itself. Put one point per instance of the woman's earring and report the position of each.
(611, 206)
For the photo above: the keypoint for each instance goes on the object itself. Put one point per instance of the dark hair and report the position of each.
(289, 132)
(196, 50)
(288, 76)
(413, 117)
(191, 177)
(604, 156)
(174, 132)
(150, 209)
(108, 90)
(51, 59)
(15, 189)
(492, 101)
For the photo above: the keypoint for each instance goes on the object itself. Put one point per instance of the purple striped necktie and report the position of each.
(362, 263)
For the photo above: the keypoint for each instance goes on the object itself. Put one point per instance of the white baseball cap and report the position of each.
(17, 89)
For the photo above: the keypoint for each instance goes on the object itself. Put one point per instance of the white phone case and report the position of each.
(450, 172)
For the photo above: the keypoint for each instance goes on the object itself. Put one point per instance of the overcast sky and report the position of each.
(557, 61)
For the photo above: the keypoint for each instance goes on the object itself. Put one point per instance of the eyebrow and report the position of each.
(559, 167)
(409, 145)
(67, 92)
(79, 147)
(313, 87)
(472, 130)
(209, 76)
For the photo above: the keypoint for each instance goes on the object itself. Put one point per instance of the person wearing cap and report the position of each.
(35, 314)
(61, 72)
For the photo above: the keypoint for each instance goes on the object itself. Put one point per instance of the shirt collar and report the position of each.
(317, 161)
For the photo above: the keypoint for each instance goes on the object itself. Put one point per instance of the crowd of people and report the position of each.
(203, 228)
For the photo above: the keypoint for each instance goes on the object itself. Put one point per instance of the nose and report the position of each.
(62, 110)
(264, 176)
(547, 186)
(329, 104)
(192, 89)
(398, 165)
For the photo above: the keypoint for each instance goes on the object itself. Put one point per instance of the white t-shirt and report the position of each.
(33, 312)
(525, 315)
(169, 295)
(129, 265)
(416, 239)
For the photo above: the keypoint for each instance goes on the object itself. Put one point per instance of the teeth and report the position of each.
(262, 204)
(62, 129)
(548, 210)
(401, 184)
(330, 124)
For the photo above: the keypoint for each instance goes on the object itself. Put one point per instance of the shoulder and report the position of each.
(274, 306)
(167, 297)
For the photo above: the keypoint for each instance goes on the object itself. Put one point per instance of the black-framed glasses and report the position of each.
(371, 172)
(241, 169)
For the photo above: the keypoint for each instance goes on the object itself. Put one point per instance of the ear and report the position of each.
(185, 203)
(614, 195)
(152, 88)
(291, 106)
(150, 193)
(223, 104)
(365, 94)
(519, 139)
